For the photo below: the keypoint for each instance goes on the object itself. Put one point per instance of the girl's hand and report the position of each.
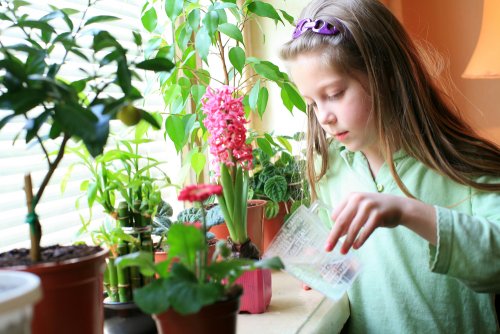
(360, 214)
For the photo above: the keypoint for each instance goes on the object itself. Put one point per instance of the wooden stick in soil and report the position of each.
(35, 227)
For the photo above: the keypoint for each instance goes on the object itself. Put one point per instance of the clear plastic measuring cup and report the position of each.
(300, 245)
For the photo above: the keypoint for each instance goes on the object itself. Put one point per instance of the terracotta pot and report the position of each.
(257, 291)
(72, 296)
(255, 229)
(219, 318)
(273, 225)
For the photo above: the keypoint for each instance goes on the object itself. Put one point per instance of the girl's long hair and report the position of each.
(411, 110)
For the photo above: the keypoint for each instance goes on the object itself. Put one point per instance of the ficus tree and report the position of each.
(205, 40)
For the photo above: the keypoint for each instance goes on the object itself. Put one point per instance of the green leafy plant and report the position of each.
(188, 281)
(209, 49)
(57, 109)
(278, 174)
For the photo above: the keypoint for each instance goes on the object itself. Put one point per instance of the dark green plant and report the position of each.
(213, 217)
(163, 219)
(278, 174)
(57, 109)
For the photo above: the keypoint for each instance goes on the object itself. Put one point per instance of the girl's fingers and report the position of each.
(356, 225)
(367, 230)
(337, 230)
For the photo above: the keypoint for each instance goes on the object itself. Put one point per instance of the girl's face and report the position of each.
(340, 102)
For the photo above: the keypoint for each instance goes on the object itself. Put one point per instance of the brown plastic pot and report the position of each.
(255, 228)
(218, 318)
(72, 296)
(273, 225)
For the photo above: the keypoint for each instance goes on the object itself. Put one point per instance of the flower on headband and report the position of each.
(226, 122)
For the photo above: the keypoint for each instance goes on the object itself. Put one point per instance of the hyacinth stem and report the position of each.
(203, 259)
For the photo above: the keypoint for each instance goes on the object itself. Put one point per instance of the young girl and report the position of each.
(415, 190)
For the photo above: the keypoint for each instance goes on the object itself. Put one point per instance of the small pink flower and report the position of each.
(199, 192)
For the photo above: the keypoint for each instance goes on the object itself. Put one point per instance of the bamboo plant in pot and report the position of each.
(56, 111)
(193, 295)
(126, 184)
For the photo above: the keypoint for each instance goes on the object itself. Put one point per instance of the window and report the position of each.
(59, 218)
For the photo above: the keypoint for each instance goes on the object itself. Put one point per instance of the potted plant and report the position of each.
(277, 177)
(58, 110)
(192, 295)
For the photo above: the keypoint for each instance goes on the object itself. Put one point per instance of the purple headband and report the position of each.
(318, 26)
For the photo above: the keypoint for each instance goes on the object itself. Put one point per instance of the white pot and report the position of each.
(19, 291)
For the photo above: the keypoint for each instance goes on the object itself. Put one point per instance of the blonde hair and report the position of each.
(410, 110)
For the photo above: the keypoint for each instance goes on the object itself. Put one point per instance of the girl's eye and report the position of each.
(335, 96)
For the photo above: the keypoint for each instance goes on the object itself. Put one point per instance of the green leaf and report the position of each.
(276, 188)
(185, 241)
(237, 58)
(153, 298)
(232, 31)
(32, 126)
(156, 65)
(151, 120)
(22, 100)
(149, 19)
(271, 209)
(100, 18)
(211, 22)
(137, 38)
(198, 161)
(142, 259)
(262, 103)
(286, 99)
(285, 143)
(6, 120)
(254, 95)
(264, 10)
(104, 39)
(202, 43)
(173, 8)
(35, 25)
(189, 297)
(295, 97)
(197, 92)
(193, 19)
(124, 76)
(174, 126)
(20, 3)
(288, 17)
(91, 193)
(273, 263)
(265, 146)
(268, 70)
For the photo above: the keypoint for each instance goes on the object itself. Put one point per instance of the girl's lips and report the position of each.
(341, 136)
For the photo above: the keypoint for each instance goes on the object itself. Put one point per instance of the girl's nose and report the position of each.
(325, 115)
